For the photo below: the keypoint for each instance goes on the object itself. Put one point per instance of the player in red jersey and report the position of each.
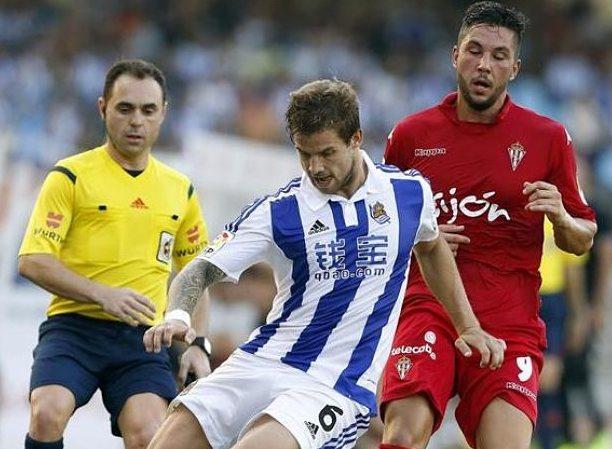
(496, 169)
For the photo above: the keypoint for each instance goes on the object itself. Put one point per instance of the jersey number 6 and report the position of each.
(328, 418)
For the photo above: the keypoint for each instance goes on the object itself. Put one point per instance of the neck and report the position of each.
(358, 177)
(136, 162)
(466, 113)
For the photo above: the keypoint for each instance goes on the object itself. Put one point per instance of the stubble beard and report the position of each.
(126, 152)
(479, 106)
(350, 176)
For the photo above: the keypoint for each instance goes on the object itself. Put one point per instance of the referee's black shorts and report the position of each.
(84, 354)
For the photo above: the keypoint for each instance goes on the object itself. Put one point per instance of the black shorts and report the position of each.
(553, 313)
(84, 354)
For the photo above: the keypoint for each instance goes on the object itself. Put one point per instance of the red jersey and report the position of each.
(477, 173)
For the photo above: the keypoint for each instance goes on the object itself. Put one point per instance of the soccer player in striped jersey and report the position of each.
(339, 240)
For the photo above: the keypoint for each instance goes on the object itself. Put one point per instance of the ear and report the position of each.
(455, 55)
(102, 107)
(164, 110)
(516, 67)
(356, 139)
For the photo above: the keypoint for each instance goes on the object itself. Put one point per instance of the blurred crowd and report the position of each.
(231, 63)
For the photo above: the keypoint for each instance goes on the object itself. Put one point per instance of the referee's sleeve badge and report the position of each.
(164, 249)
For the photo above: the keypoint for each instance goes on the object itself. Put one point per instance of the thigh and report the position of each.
(180, 430)
(422, 363)
(314, 414)
(503, 426)
(137, 373)
(224, 402)
(516, 383)
(60, 358)
(267, 432)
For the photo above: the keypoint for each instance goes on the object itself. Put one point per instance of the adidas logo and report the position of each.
(317, 227)
(138, 203)
(312, 428)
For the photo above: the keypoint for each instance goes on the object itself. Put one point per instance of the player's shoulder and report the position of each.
(170, 174)
(258, 208)
(419, 120)
(80, 159)
(537, 121)
(74, 166)
(286, 191)
(394, 173)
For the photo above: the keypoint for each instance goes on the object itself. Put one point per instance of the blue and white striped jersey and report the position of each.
(340, 267)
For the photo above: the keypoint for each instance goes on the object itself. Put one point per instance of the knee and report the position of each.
(406, 437)
(139, 437)
(48, 417)
(402, 431)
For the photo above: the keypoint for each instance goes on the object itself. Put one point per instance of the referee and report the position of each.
(108, 227)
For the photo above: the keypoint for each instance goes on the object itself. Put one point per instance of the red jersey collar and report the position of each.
(448, 107)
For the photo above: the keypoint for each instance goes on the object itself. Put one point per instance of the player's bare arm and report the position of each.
(185, 293)
(48, 272)
(440, 272)
(574, 235)
(194, 359)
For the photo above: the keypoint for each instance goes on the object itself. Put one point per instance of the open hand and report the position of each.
(128, 305)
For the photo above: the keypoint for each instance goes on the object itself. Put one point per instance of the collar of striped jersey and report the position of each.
(375, 183)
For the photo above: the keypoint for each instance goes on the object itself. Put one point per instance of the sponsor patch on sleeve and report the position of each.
(219, 242)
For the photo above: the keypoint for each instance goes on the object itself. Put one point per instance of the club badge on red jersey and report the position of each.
(403, 366)
(517, 153)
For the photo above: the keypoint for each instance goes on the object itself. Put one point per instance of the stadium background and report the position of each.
(230, 65)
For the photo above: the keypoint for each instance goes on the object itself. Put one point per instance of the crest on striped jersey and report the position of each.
(517, 153)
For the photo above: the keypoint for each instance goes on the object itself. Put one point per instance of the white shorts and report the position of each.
(245, 387)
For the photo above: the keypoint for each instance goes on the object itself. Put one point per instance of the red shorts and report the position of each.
(424, 361)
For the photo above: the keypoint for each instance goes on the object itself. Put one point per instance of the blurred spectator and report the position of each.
(231, 63)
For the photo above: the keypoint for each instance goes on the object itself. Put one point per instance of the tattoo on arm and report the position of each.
(190, 283)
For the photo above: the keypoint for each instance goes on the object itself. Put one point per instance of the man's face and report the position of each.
(485, 61)
(327, 160)
(133, 114)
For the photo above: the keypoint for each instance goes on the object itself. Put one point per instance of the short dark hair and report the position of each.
(137, 68)
(493, 13)
(321, 105)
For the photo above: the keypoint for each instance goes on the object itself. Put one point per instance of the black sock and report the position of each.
(31, 443)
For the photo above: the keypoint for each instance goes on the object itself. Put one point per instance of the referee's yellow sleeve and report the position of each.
(192, 236)
(52, 214)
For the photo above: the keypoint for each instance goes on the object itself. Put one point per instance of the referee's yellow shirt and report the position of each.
(114, 228)
(554, 263)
